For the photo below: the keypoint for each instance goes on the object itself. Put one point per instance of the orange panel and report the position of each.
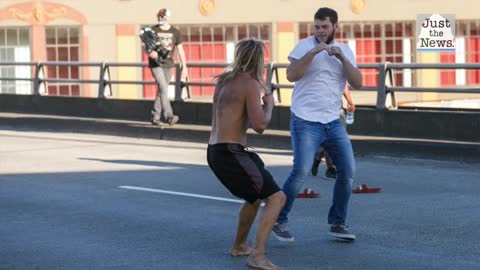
(285, 27)
(125, 30)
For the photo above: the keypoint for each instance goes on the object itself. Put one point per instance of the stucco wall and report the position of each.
(229, 11)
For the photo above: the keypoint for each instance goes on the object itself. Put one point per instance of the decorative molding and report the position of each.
(38, 15)
(358, 6)
(206, 7)
(41, 13)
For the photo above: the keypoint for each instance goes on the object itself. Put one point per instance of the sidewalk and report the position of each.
(279, 139)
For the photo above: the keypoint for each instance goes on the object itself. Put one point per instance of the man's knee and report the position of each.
(301, 172)
(256, 204)
(278, 198)
(346, 173)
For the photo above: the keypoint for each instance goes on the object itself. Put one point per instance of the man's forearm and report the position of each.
(267, 111)
(346, 94)
(354, 76)
(297, 69)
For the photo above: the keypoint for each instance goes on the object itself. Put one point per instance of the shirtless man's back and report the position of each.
(236, 103)
(230, 110)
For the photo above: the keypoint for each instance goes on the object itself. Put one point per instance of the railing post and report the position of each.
(101, 82)
(38, 83)
(385, 96)
(268, 79)
(390, 101)
(278, 97)
(178, 82)
(381, 90)
(104, 85)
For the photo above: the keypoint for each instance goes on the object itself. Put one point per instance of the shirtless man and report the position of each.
(236, 103)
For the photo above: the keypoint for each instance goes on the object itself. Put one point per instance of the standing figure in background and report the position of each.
(161, 63)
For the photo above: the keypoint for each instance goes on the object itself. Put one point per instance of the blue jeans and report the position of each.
(307, 137)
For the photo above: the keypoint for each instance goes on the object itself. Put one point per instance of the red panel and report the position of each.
(51, 54)
(64, 90)
(193, 52)
(267, 52)
(51, 72)
(62, 54)
(149, 90)
(206, 73)
(74, 54)
(52, 90)
(219, 57)
(477, 52)
(367, 53)
(219, 53)
(63, 72)
(74, 72)
(447, 77)
(75, 90)
(473, 46)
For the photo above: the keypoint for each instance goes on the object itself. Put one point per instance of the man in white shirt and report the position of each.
(320, 67)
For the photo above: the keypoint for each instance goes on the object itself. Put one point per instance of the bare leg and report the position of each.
(247, 215)
(273, 205)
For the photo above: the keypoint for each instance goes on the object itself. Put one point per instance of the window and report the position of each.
(214, 44)
(15, 47)
(469, 31)
(467, 51)
(63, 44)
(375, 42)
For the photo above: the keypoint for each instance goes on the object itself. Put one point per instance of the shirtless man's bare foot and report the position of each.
(240, 251)
(261, 262)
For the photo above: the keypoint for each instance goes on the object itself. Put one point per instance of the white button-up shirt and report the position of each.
(317, 96)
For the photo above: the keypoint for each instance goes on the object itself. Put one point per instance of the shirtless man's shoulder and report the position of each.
(235, 89)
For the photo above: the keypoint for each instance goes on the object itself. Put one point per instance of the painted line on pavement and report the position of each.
(182, 194)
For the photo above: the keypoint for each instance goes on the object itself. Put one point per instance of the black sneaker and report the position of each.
(315, 165)
(331, 173)
(173, 120)
(281, 232)
(341, 232)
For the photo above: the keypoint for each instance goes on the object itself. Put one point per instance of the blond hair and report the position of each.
(249, 55)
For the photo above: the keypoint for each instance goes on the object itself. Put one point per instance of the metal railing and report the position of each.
(385, 87)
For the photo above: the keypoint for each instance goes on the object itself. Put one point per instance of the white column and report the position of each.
(460, 58)
(22, 54)
(353, 46)
(407, 58)
(230, 53)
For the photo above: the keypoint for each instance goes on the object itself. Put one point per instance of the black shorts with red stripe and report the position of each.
(242, 172)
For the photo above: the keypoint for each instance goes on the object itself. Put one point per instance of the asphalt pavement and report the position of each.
(85, 201)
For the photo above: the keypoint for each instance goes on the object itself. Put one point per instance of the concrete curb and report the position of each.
(279, 139)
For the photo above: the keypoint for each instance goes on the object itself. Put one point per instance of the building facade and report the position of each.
(107, 31)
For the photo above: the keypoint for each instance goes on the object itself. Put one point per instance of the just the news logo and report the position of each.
(436, 32)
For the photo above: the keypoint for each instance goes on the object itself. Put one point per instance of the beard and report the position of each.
(331, 37)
